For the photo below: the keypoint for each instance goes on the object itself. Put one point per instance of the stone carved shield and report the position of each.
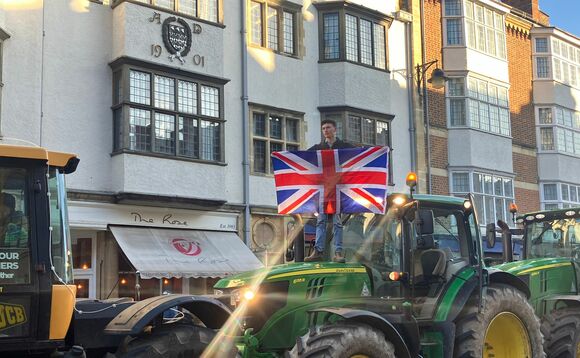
(176, 37)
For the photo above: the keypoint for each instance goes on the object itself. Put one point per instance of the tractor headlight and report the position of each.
(241, 294)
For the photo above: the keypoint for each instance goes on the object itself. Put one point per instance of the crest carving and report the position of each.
(176, 35)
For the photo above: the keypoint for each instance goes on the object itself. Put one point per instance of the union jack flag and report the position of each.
(331, 181)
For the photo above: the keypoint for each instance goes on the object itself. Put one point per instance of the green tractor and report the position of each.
(414, 284)
(550, 267)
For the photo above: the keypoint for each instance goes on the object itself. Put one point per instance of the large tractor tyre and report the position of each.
(506, 327)
(343, 340)
(562, 331)
(169, 341)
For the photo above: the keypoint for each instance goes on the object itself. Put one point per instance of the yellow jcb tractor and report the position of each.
(38, 311)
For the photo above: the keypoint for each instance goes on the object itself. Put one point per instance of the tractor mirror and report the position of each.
(424, 222)
(490, 235)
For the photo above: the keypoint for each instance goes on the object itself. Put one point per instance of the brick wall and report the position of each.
(527, 200)
(519, 49)
(436, 97)
(526, 168)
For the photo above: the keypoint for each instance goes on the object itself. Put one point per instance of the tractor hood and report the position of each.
(523, 267)
(287, 271)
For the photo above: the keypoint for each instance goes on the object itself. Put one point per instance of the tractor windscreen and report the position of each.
(15, 231)
(553, 238)
(60, 235)
(374, 240)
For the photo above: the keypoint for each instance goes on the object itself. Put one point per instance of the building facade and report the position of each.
(174, 107)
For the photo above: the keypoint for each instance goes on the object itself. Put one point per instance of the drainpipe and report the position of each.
(245, 125)
(425, 99)
(410, 95)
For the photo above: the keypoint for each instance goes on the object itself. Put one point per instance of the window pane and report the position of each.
(164, 92)
(542, 67)
(82, 250)
(501, 44)
(140, 87)
(351, 38)
(164, 133)
(484, 116)
(210, 140)
(117, 89)
(474, 113)
(461, 182)
(555, 46)
(452, 7)
(487, 184)
(565, 196)
(366, 46)
(274, 147)
(188, 137)
(454, 32)
(260, 124)
(188, 7)
(499, 23)
(256, 11)
(456, 87)
(292, 130)
(489, 209)
(498, 186)
(139, 129)
(541, 44)
(272, 28)
(504, 121)
(382, 133)
(291, 147)
(508, 188)
(493, 94)
(477, 183)
(547, 137)
(551, 206)
(210, 101)
(187, 97)
(468, 9)
(545, 115)
(491, 42)
(457, 112)
(208, 10)
(559, 116)
(275, 127)
(479, 207)
(503, 96)
(368, 131)
(550, 192)
(259, 156)
(470, 33)
(166, 4)
(288, 32)
(118, 136)
(499, 209)
(379, 38)
(557, 69)
(482, 91)
(331, 36)
(480, 32)
(494, 124)
(354, 129)
(573, 193)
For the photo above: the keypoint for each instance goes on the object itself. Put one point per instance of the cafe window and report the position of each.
(166, 115)
(83, 247)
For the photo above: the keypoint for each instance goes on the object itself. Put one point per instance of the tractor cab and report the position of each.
(36, 291)
(416, 248)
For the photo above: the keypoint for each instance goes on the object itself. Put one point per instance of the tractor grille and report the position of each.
(315, 288)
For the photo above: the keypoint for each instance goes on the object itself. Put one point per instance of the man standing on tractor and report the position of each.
(331, 141)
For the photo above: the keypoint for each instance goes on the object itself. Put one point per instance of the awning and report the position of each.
(158, 253)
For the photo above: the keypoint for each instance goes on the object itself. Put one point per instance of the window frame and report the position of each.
(472, 172)
(343, 8)
(341, 114)
(122, 68)
(557, 126)
(500, 51)
(281, 7)
(559, 202)
(175, 11)
(286, 115)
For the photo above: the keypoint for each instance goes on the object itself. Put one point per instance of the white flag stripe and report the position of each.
(290, 201)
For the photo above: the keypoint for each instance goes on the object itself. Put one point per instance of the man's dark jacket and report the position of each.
(338, 144)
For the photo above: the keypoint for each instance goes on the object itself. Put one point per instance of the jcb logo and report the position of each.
(11, 315)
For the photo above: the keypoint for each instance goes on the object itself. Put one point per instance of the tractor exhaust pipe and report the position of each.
(506, 235)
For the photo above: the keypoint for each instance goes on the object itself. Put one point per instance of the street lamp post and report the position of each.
(437, 80)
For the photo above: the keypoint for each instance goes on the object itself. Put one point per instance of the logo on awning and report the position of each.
(187, 247)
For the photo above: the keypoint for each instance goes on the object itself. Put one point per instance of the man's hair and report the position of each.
(8, 200)
(328, 121)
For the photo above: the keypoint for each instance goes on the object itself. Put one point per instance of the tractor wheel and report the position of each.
(505, 327)
(343, 340)
(562, 331)
(169, 341)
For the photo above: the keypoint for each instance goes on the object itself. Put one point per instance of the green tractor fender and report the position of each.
(569, 300)
(373, 320)
(136, 317)
(501, 277)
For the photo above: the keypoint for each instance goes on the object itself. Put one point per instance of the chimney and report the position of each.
(530, 7)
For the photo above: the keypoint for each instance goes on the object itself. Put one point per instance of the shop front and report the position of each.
(141, 251)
